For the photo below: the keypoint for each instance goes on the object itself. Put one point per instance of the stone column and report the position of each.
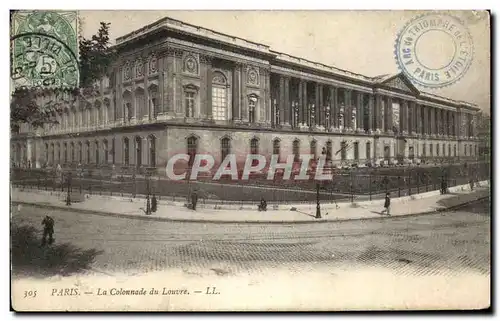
(415, 119)
(452, 123)
(300, 102)
(145, 107)
(447, 123)
(334, 108)
(208, 94)
(267, 96)
(286, 102)
(320, 108)
(347, 109)
(411, 117)
(359, 112)
(431, 114)
(390, 118)
(281, 99)
(378, 113)
(160, 108)
(305, 113)
(440, 121)
(403, 117)
(236, 110)
(371, 114)
(425, 120)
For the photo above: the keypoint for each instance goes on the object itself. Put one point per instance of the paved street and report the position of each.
(444, 243)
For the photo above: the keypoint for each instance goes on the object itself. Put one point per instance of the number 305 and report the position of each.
(29, 294)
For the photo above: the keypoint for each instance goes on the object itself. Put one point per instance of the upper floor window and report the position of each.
(296, 151)
(254, 149)
(225, 147)
(189, 101)
(276, 148)
(343, 150)
(356, 150)
(219, 96)
(192, 149)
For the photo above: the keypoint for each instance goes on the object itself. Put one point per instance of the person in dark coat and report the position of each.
(154, 203)
(387, 204)
(48, 230)
(263, 205)
(443, 185)
(194, 200)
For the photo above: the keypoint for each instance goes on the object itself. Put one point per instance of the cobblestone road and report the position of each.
(443, 243)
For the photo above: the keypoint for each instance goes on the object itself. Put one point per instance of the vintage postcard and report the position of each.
(250, 160)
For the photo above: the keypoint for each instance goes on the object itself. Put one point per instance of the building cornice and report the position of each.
(215, 53)
(321, 79)
(278, 60)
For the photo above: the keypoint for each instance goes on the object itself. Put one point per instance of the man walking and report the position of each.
(387, 205)
(194, 200)
(154, 204)
(48, 230)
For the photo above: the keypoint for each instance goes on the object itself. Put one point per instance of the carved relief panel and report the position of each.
(398, 83)
(152, 64)
(190, 64)
(253, 77)
(139, 68)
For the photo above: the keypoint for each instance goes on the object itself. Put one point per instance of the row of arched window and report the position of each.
(102, 152)
(92, 115)
(135, 105)
(225, 149)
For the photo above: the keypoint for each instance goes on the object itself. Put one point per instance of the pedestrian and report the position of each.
(443, 185)
(387, 204)
(263, 205)
(194, 200)
(148, 205)
(154, 203)
(48, 230)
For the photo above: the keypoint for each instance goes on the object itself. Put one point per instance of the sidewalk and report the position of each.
(418, 204)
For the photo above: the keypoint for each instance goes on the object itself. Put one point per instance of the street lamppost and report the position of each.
(148, 200)
(68, 196)
(318, 207)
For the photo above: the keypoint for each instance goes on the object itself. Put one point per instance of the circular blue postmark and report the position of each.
(434, 50)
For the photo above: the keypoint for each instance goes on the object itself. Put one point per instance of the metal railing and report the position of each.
(351, 184)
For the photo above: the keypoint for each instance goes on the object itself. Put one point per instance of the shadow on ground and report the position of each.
(29, 258)
(475, 205)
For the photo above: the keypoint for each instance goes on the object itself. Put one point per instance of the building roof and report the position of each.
(181, 27)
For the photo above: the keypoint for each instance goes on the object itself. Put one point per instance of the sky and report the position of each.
(358, 41)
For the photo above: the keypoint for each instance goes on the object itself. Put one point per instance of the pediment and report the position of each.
(401, 83)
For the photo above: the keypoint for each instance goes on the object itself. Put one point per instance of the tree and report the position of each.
(94, 62)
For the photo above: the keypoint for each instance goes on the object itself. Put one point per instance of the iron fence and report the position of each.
(353, 184)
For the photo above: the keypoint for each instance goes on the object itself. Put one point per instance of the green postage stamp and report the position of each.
(44, 49)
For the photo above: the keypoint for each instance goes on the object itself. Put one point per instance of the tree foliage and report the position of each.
(95, 57)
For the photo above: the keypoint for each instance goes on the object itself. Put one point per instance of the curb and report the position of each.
(165, 219)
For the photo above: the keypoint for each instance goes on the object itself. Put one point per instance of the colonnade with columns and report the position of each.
(305, 105)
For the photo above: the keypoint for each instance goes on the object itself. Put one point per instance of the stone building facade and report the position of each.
(179, 88)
